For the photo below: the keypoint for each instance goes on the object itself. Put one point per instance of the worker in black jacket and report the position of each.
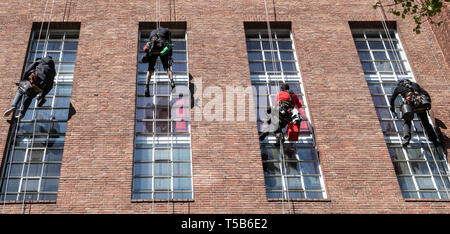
(159, 44)
(414, 96)
(37, 79)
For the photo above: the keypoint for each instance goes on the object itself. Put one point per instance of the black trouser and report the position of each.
(426, 125)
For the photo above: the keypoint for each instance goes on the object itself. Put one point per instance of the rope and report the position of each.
(397, 60)
(10, 156)
(432, 154)
(34, 113)
(277, 82)
(18, 120)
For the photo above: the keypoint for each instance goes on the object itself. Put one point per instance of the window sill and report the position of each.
(161, 200)
(29, 202)
(426, 200)
(298, 200)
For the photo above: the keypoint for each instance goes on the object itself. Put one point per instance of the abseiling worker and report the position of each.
(159, 45)
(37, 81)
(416, 100)
(287, 106)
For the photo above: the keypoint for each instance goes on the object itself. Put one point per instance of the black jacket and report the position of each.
(403, 90)
(165, 34)
(45, 70)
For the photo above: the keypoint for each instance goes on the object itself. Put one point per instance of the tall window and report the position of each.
(34, 152)
(294, 173)
(421, 168)
(162, 155)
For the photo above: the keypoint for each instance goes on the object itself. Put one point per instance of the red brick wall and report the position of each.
(96, 173)
(442, 32)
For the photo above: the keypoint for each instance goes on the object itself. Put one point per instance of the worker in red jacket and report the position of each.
(287, 106)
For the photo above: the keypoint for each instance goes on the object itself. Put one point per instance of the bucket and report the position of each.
(407, 111)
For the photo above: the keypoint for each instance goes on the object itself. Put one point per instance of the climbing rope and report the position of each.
(403, 72)
(17, 122)
(35, 111)
(277, 82)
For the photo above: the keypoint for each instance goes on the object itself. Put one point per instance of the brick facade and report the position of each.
(96, 173)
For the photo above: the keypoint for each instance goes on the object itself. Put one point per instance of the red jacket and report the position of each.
(284, 96)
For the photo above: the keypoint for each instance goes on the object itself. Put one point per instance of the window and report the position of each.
(35, 147)
(422, 170)
(296, 173)
(162, 155)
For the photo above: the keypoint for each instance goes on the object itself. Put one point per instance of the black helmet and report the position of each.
(284, 87)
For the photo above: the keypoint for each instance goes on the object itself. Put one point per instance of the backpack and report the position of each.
(155, 44)
(418, 101)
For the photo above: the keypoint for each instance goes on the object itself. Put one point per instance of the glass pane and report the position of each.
(53, 155)
(162, 154)
(253, 45)
(18, 155)
(376, 45)
(312, 183)
(143, 155)
(162, 127)
(266, 45)
(142, 184)
(401, 168)
(69, 57)
(30, 185)
(144, 127)
(273, 183)
(32, 169)
(424, 183)
(294, 183)
(143, 169)
(54, 45)
(383, 66)
(287, 56)
(364, 55)
(70, 45)
(380, 56)
(361, 45)
(162, 169)
(182, 169)
(182, 184)
(309, 168)
(52, 169)
(254, 56)
(368, 66)
(144, 113)
(179, 45)
(162, 184)
(181, 154)
(271, 168)
(406, 183)
(256, 67)
(49, 185)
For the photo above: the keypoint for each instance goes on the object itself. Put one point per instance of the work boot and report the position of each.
(9, 111)
(147, 91)
(172, 84)
(405, 140)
